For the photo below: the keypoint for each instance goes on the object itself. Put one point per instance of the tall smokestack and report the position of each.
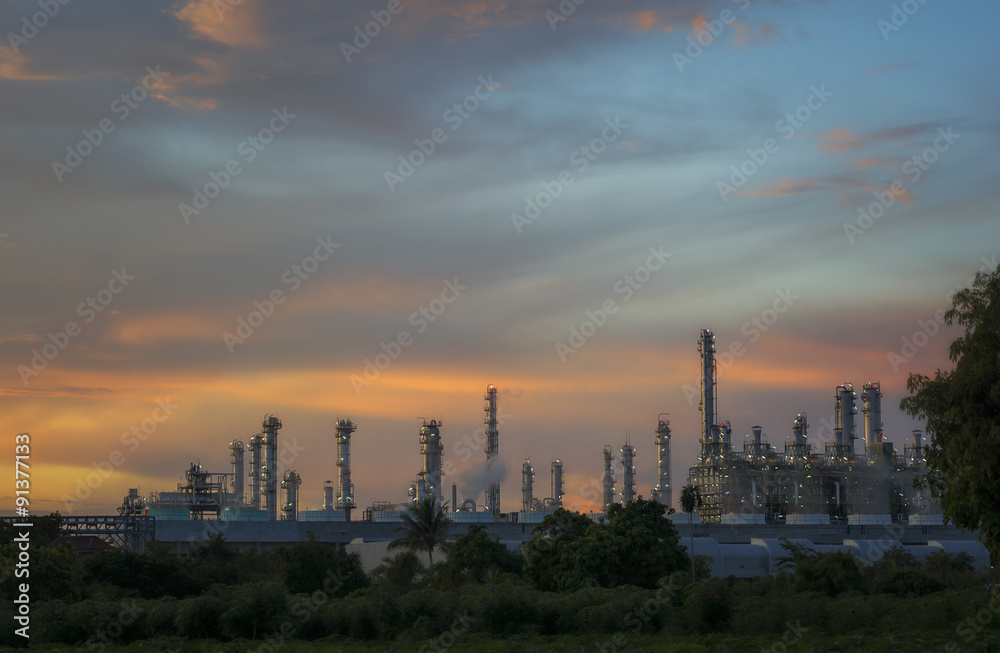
(628, 473)
(608, 482)
(527, 487)
(431, 448)
(709, 403)
(662, 490)
(492, 447)
(558, 488)
(271, 425)
(256, 469)
(236, 449)
(345, 489)
(871, 407)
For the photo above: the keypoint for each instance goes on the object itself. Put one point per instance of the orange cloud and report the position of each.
(211, 73)
(235, 25)
(15, 66)
(788, 187)
(165, 327)
(873, 161)
(839, 140)
(647, 20)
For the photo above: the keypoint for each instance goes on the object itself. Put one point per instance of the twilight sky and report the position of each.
(234, 208)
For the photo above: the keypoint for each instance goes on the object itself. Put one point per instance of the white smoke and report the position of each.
(472, 482)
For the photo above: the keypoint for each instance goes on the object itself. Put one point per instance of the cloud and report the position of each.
(647, 20)
(16, 67)
(789, 187)
(839, 140)
(232, 24)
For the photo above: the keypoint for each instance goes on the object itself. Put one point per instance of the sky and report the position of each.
(215, 210)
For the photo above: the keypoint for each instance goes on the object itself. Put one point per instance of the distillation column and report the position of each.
(236, 449)
(608, 483)
(527, 487)
(270, 474)
(628, 475)
(431, 449)
(662, 490)
(845, 410)
(871, 406)
(709, 379)
(290, 484)
(345, 489)
(328, 495)
(558, 487)
(492, 449)
(256, 455)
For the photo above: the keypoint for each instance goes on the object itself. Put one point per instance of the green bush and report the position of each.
(198, 617)
(708, 606)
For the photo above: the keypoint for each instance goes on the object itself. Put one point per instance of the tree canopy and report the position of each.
(425, 526)
(634, 545)
(962, 410)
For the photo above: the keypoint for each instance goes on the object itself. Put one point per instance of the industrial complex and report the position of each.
(845, 496)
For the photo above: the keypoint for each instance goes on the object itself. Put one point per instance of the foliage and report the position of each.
(403, 573)
(830, 573)
(475, 557)
(255, 608)
(425, 527)
(311, 565)
(962, 410)
(708, 606)
(145, 575)
(636, 545)
(691, 500)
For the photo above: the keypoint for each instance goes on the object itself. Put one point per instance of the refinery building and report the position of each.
(856, 494)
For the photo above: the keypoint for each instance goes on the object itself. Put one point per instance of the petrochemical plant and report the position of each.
(838, 498)
(756, 485)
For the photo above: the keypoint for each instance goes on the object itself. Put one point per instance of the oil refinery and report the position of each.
(751, 496)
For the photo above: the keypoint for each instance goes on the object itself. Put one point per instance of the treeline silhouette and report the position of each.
(625, 576)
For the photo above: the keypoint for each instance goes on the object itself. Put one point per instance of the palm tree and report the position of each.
(425, 525)
(691, 499)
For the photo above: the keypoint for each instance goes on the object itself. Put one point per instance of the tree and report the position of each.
(475, 554)
(691, 499)
(312, 565)
(634, 545)
(425, 525)
(961, 408)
